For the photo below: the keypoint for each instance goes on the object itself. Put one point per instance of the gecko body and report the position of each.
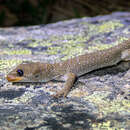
(70, 69)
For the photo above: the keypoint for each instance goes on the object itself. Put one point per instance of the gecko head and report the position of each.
(25, 72)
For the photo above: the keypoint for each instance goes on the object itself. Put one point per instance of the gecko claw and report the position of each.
(60, 94)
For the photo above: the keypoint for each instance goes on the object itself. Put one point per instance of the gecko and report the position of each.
(70, 69)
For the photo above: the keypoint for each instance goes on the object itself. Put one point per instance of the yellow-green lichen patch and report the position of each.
(105, 27)
(67, 45)
(33, 44)
(103, 125)
(99, 47)
(109, 125)
(40, 43)
(121, 39)
(110, 26)
(5, 65)
(46, 43)
(79, 38)
(105, 106)
(67, 49)
(126, 103)
(17, 52)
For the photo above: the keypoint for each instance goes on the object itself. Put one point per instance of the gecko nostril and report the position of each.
(10, 77)
(37, 76)
(20, 72)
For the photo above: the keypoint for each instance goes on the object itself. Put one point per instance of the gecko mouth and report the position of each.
(13, 78)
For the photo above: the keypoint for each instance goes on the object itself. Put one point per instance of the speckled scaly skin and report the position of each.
(70, 69)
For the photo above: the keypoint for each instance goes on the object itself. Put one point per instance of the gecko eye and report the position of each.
(20, 72)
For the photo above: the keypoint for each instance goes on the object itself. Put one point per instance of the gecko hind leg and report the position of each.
(68, 85)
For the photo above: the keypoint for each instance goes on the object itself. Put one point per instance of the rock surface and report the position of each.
(100, 99)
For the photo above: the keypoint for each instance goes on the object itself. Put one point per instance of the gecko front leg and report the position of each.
(70, 79)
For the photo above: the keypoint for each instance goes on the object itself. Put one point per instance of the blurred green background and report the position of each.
(34, 12)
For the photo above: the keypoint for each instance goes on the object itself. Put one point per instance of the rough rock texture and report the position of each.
(99, 99)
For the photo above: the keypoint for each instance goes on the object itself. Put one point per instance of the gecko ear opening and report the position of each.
(26, 62)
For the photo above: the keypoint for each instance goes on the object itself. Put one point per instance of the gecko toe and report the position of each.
(60, 94)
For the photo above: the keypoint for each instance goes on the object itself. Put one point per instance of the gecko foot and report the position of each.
(68, 85)
(60, 94)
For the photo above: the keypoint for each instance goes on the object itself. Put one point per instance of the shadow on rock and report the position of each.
(11, 94)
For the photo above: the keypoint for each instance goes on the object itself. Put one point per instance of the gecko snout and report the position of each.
(12, 78)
